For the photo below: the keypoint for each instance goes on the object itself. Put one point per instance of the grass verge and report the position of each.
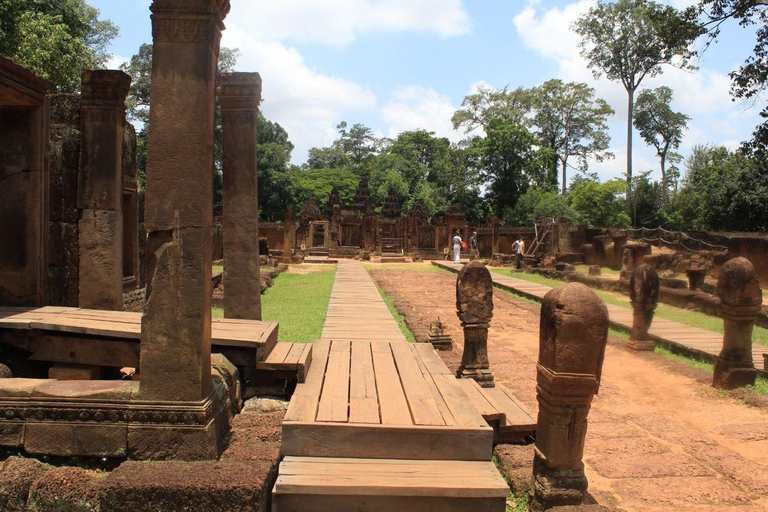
(682, 316)
(299, 302)
(400, 319)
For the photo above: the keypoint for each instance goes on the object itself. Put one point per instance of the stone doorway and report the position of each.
(318, 234)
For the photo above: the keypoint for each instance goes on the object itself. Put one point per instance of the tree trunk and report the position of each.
(664, 180)
(630, 112)
(565, 162)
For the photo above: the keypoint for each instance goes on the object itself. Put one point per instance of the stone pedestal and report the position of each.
(175, 361)
(239, 97)
(594, 270)
(740, 301)
(438, 337)
(574, 330)
(696, 277)
(100, 189)
(644, 289)
(474, 305)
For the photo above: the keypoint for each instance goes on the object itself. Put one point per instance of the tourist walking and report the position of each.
(473, 246)
(457, 248)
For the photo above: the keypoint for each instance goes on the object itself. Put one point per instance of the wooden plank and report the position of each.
(334, 399)
(517, 417)
(363, 399)
(303, 404)
(415, 442)
(392, 402)
(293, 356)
(457, 401)
(305, 360)
(423, 407)
(279, 353)
(480, 402)
(431, 359)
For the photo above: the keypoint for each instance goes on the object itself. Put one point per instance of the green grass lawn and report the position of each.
(299, 302)
(683, 316)
(390, 302)
(605, 271)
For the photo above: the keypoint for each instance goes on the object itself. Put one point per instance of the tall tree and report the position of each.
(630, 40)
(357, 141)
(662, 128)
(55, 38)
(751, 78)
(572, 122)
(477, 109)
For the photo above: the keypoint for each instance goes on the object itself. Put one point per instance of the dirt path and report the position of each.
(660, 438)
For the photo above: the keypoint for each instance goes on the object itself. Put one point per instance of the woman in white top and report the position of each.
(457, 248)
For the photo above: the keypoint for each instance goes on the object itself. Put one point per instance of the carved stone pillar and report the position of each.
(740, 301)
(176, 326)
(644, 297)
(474, 305)
(574, 329)
(100, 189)
(239, 98)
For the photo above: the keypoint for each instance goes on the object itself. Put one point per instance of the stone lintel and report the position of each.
(25, 87)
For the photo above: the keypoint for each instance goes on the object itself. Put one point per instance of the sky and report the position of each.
(397, 65)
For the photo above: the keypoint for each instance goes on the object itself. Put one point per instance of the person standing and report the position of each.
(473, 246)
(457, 247)
(520, 252)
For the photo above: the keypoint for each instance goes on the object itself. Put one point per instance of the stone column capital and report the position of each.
(193, 21)
(103, 95)
(239, 95)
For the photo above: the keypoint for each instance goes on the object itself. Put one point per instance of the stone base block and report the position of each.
(76, 440)
(566, 488)
(483, 377)
(174, 442)
(640, 346)
(732, 375)
(441, 343)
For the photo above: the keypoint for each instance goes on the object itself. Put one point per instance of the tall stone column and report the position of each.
(239, 98)
(573, 333)
(474, 305)
(740, 301)
(176, 326)
(100, 189)
(644, 292)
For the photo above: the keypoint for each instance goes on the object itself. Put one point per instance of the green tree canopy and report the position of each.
(629, 40)
(571, 122)
(479, 108)
(55, 38)
(660, 127)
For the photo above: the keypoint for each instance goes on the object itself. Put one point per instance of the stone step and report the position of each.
(347, 484)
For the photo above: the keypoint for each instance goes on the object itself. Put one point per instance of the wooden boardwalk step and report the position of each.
(288, 357)
(350, 484)
(511, 421)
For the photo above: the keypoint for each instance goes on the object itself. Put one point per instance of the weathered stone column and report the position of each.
(573, 333)
(176, 326)
(740, 300)
(239, 98)
(644, 297)
(474, 305)
(100, 189)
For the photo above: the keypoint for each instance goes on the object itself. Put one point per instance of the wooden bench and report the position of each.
(511, 421)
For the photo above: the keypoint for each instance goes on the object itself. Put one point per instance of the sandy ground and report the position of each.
(660, 438)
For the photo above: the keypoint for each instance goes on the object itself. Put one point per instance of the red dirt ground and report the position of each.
(660, 438)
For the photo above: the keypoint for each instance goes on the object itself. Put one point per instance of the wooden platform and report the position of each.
(511, 421)
(293, 358)
(383, 400)
(700, 343)
(111, 338)
(318, 483)
(356, 311)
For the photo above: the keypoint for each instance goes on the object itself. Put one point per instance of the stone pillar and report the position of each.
(474, 305)
(644, 296)
(740, 302)
(239, 98)
(176, 325)
(696, 278)
(573, 334)
(100, 189)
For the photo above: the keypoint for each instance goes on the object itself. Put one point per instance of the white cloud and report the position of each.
(307, 103)
(115, 60)
(703, 94)
(413, 107)
(338, 22)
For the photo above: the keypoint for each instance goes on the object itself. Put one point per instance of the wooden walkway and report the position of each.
(111, 338)
(356, 311)
(701, 343)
